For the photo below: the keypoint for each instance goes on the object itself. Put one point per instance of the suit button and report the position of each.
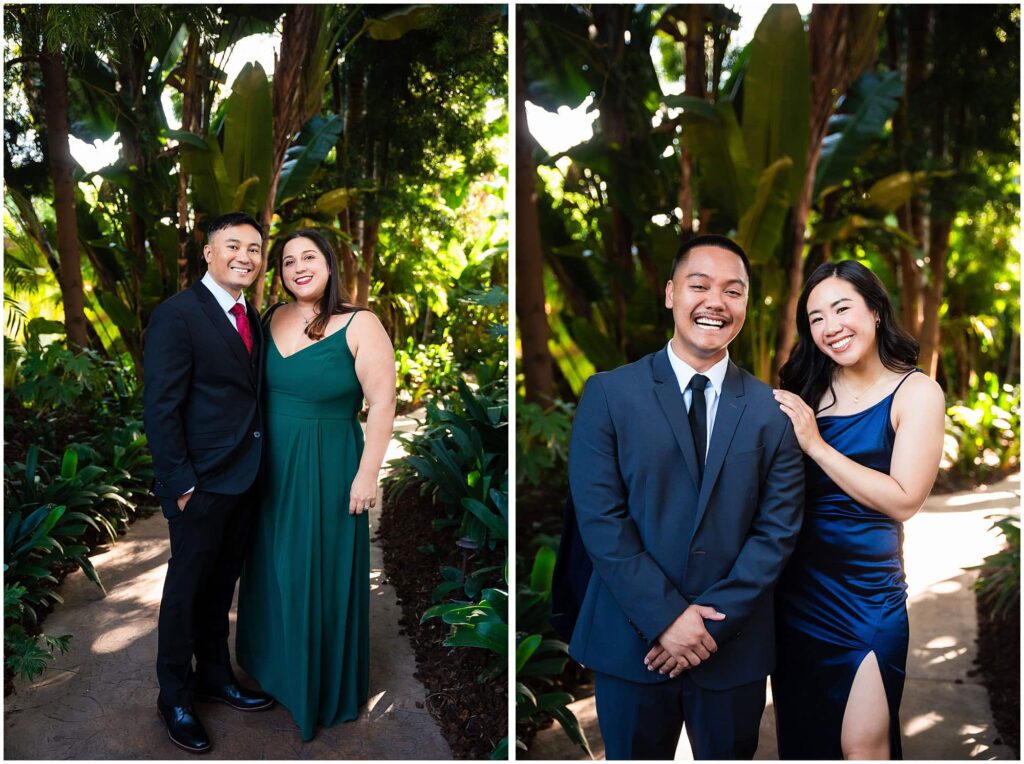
(256, 434)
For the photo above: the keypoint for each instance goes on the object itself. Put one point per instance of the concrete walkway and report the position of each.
(99, 700)
(945, 713)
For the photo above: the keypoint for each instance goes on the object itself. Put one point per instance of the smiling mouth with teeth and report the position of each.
(241, 270)
(302, 280)
(841, 344)
(713, 323)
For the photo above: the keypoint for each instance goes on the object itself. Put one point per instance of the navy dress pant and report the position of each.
(643, 721)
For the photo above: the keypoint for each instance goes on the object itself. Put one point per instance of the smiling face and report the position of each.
(233, 257)
(304, 269)
(842, 325)
(708, 299)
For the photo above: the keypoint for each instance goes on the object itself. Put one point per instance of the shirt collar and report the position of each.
(223, 297)
(683, 370)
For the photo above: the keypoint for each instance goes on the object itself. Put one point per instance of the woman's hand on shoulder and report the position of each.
(805, 425)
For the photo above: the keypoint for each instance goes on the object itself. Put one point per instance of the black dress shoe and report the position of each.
(236, 697)
(184, 728)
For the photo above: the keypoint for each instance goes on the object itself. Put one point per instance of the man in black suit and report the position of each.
(203, 421)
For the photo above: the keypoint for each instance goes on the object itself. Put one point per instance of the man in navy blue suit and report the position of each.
(687, 483)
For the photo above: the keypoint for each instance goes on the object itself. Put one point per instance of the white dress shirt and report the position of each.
(224, 299)
(716, 377)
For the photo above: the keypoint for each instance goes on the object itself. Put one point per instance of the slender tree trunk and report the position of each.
(289, 99)
(55, 101)
(530, 299)
(835, 62)
(929, 338)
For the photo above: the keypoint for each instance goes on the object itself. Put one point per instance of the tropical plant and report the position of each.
(998, 584)
(542, 440)
(982, 431)
(540, 657)
(26, 655)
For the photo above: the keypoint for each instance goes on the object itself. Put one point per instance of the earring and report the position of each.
(878, 322)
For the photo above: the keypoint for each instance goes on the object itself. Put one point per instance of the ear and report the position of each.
(668, 294)
(207, 249)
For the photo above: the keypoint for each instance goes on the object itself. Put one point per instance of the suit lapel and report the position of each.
(727, 418)
(666, 388)
(229, 334)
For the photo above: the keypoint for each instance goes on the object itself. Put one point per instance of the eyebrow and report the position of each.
(741, 282)
(841, 299)
(239, 241)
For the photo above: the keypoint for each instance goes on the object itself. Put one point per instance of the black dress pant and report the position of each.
(644, 721)
(208, 544)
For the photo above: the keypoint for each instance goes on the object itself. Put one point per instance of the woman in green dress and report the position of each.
(303, 611)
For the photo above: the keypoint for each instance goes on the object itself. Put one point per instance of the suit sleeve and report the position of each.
(644, 593)
(768, 546)
(167, 365)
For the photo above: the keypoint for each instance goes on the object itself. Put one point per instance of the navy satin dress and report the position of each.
(841, 597)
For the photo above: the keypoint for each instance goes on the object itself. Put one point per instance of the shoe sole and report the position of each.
(211, 699)
(197, 751)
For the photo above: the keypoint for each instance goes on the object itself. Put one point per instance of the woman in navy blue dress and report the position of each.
(871, 428)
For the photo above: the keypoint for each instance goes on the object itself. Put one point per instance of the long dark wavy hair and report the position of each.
(809, 372)
(334, 300)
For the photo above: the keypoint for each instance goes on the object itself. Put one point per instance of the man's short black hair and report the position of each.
(232, 219)
(709, 240)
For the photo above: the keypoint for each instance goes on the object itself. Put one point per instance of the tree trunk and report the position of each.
(55, 101)
(289, 99)
(530, 298)
(929, 339)
(835, 62)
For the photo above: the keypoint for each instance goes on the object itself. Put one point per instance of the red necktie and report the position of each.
(242, 322)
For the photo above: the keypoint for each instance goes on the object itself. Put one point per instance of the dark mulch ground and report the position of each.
(999, 666)
(473, 715)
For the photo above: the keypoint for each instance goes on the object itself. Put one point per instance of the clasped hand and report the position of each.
(685, 643)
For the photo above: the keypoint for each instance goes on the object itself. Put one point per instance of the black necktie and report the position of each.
(698, 417)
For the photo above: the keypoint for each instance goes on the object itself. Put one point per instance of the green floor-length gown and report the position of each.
(303, 611)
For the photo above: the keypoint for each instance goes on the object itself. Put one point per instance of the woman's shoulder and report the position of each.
(919, 391)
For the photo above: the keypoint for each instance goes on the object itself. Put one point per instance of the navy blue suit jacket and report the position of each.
(658, 544)
(201, 397)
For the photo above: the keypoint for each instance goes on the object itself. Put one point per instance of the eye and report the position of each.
(842, 309)
(698, 287)
(734, 293)
(815, 320)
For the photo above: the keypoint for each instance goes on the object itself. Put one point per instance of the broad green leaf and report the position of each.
(543, 570)
(248, 138)
(761, 226)
(212, 192)
(777, 93)
(726, 180)
(335, 201)
(893, 191)
(396, 25)
(316, 140)
(866, 109)
(525, 649)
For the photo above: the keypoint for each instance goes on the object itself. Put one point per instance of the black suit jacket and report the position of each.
(202, 397)
(645, 540)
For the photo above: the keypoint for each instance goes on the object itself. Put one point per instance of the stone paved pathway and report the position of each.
(99, 700)
(945, 713)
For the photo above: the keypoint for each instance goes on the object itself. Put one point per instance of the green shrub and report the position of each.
(998, 585)
(424, 370)
(982, 432)
(26, 655)
(542, 440)
(462, 458)
(540, 657)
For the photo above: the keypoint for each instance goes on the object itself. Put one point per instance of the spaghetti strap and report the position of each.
(265, 319)
(352, 318)
(905, 378)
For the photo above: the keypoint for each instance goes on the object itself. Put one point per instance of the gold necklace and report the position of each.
(858, 396)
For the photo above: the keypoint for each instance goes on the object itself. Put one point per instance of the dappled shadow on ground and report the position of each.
(945, 713)
(99, 701)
